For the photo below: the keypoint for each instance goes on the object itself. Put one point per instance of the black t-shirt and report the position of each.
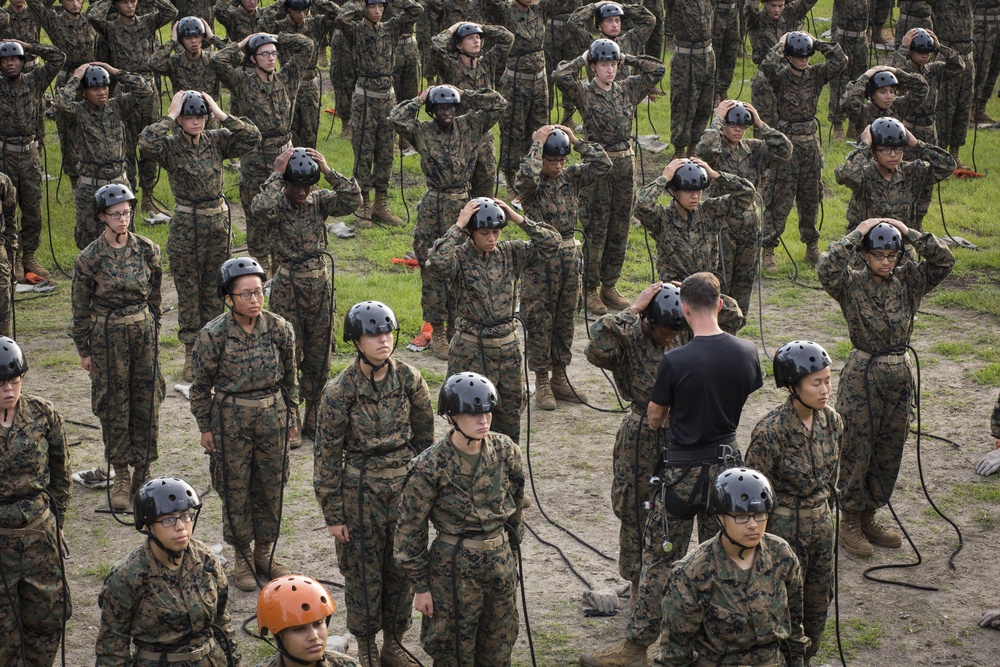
(705, 384)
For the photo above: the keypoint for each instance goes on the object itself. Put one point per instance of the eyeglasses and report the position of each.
(555, 160)
(13, 382)
(171, 521)
(879, 257)
(741, 519)
(118, 217)
(889, 151)
(267, 54)
(246, 296)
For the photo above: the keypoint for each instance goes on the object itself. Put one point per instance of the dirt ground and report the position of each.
(570, 453)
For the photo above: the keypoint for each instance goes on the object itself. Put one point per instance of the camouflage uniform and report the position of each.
(550, 289)
(317, 27)
(471, 500)
(905, 196)
(331, 659)
(8, 235)
(910, 95)
(750, 159)
(199, 236)
(727, 41)
(250, 440)
(269, 105)
(171, 60)
(482, 289)
(21, 110)
(451, 70)
(162, 610)
(562, 44)
(76, 38)
(374, 434)
(440, 15)
(850, 30)
(692, 70)
(995, 420)
(986, 43)
(764, 34)
(802, 466)
(102, 142)
(373, 100)
(200, 8)
(24, 26)
(685, 246)
(716, 611)
(302, 290)
(523, 82)
(953, 25)
(342, 75)
(447, 161)
(921, 121)
(606, 209)
(620, 342)
(800, 180)
(36, 459)
(405, 73)
(236, 21)
(130, 48)
(632, 41)
(912, 14)
(116, 302)
(877, 390)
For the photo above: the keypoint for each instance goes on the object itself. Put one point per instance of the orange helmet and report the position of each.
(290, 601)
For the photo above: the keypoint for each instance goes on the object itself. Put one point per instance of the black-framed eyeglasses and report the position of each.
(246, 296)
(267, 54)
(879, 257)
(171, 521)
(885, 150)
(550, 159)
(121, 215)
(741, 519)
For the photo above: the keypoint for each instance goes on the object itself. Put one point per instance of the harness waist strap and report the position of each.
(18, 148)
(887, 358)
(490, 342)
(265, 402)
(180, 208)
(30, 529)
(391, 473)
(803, 512)
(188, 656)
(701, 453)
(488, 544)
(314, 273)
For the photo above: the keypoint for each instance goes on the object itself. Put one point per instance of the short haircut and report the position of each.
(701, 291)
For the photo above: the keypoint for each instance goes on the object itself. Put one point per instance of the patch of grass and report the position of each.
(987, 491)
(841, 349)
(953, 349)
(99, 570)
(988, 375)
(59, 360)
(433, 378)
(984, 519)
(855, 633)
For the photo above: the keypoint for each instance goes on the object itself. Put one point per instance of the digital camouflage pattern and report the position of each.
(764, 33)
(250, 441)
(36, 459)
(877, 393)
(727, 40)
(995, 420)
(474, 501)
(8, 232)
(172, 61)
(986, 38)
(912, 14)
(237, 22)
(404, 72)
(370, 430)
(331, 659)
(850, 30)
(127, 386)
(921, 121)
(342, 75)
(692, 70)
(550, 289)
(910, 95)
(954, 27)
(145, 603)
(482, 289)
(631, 41)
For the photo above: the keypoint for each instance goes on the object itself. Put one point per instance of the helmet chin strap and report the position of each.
(795, 395)
(468, 440)
(250, 320)
(118, 237)
(376, 367)
(728, 537)
(173, 556)
(285, 654)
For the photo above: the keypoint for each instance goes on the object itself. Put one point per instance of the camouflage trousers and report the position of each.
(879, 11)
(812, 540)
(550, 291)
(88, 227)
(33, 577)
(856, 50)
(502, 365)
(126, 390)
(527, 110)
(197, 245)
(371, 139)
(763, 100)
(486, 618)
(692, 91)
(377, 592)
(246, 467)
(255, 168)
(425, 29)
(404, 75)
(67, 136)
(25, 172)
(740, 253)
(954, 106)
(926, 196)
(341, 75)
(305, 121)
(654, 45)
(726, 42)
(986, 46)
(308, 304)
(560, 44)
(146, 114)
(647, 615)
(606, 214)
(6, 314)
(637, 452)
(798, 182)
(484, 175)
(907, 22)
(884, 407)
(436, 213)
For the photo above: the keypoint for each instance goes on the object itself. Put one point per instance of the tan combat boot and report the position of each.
(364, 212)
(851, 537)
(345, 129)
(32, 266)
(439, 341)
(953, 151)
(188, 374)
(980, 115)
(623, 654)
(543, 392)
(838, 132)
(381, 212)
(295, 441)
(121, 500)
(594, 304)
(768, 259)
(262, 558)
(561, 388)
(18, 269)
(392, 653)
(244, 577)
(812, 252)
(612, 299)
(879, 534)
(368, 651)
